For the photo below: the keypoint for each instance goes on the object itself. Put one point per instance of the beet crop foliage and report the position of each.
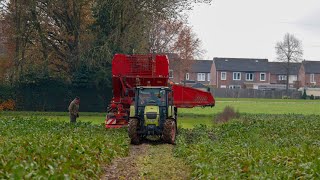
(35, 148)
(254, 146)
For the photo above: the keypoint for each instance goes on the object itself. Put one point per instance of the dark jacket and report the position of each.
(73, 108)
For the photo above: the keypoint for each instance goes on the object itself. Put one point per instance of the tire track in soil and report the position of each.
(150, 160)
(126, 167)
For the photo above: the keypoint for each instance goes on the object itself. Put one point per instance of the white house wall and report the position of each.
(292, 78)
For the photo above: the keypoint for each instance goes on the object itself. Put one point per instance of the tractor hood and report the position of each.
(151, 115)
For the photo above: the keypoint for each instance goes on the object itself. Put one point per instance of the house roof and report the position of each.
(201, 66)
(241, 64)
(311, 67)
(199, 85)
(281, 68)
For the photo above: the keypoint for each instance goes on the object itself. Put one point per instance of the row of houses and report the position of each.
(244, 73)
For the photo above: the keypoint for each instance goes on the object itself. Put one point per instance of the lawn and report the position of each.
(266, 100)
(258, 106)
(189, 117)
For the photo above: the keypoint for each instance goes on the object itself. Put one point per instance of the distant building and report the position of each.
(245, 73)
(197, 71)
(309, 74)
(278, 73)
(200, 72)
(236, 73)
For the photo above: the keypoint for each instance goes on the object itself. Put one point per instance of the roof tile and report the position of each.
(241, 64)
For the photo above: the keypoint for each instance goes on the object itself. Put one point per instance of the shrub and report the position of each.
(227, 114)
(312, 97)
(8, 105)
(286, 97)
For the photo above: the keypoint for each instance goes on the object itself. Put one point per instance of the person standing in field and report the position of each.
(74, 110)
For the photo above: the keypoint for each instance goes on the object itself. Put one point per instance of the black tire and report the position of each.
(132, 131)
(169, 131)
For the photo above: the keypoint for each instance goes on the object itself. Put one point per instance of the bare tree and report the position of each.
(188, 48)
(289, 51)
(163, 34)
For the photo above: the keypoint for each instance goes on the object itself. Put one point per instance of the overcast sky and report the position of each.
(251, 28)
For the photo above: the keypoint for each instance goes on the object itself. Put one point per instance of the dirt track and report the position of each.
(150, 160)
(126, 168)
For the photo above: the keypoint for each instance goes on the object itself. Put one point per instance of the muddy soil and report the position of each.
(150, 160)
(126, 168)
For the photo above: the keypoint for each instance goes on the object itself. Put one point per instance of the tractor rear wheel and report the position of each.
(132, 131)
(169, 131)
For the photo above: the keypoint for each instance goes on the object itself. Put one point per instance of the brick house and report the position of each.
(309, 74)
(278, 73)
(198, 71)
(174, 69)
(244, 73)
(237, 73)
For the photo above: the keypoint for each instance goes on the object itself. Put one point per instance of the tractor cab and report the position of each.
(153, 107)
(151, 96)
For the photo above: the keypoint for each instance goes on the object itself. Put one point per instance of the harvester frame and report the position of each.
(131, 72)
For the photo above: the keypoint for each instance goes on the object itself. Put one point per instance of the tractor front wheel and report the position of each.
(132, 131)
(169, 131)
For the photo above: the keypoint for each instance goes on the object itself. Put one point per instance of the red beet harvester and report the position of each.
(145, 99)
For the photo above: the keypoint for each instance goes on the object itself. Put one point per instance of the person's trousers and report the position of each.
(73, 118)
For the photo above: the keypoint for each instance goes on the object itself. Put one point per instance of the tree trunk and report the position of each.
(17, 41)
(77, 15)
(287, 79)
(287, 84)
(42, 40)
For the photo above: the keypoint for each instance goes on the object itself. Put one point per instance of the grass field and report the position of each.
(266, 100)
(195, 116)
(259, 106)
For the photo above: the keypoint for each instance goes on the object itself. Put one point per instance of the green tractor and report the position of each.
(153, 114)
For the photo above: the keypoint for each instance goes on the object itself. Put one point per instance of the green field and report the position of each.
(271, 139)
(34, 148)
(259, 106)
(255, 146)
(188, 117)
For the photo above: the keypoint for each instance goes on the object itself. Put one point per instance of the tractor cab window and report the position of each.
(152, 96)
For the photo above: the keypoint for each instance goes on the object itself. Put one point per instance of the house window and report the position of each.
(170, 73)
(223, 75)
(234, 87)
(236, 76)
(223, 86)
(201, 76)
(208, 77)
(187, 76)
(312, 78)
(282, 77)
(262, 76)
(249, 76)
